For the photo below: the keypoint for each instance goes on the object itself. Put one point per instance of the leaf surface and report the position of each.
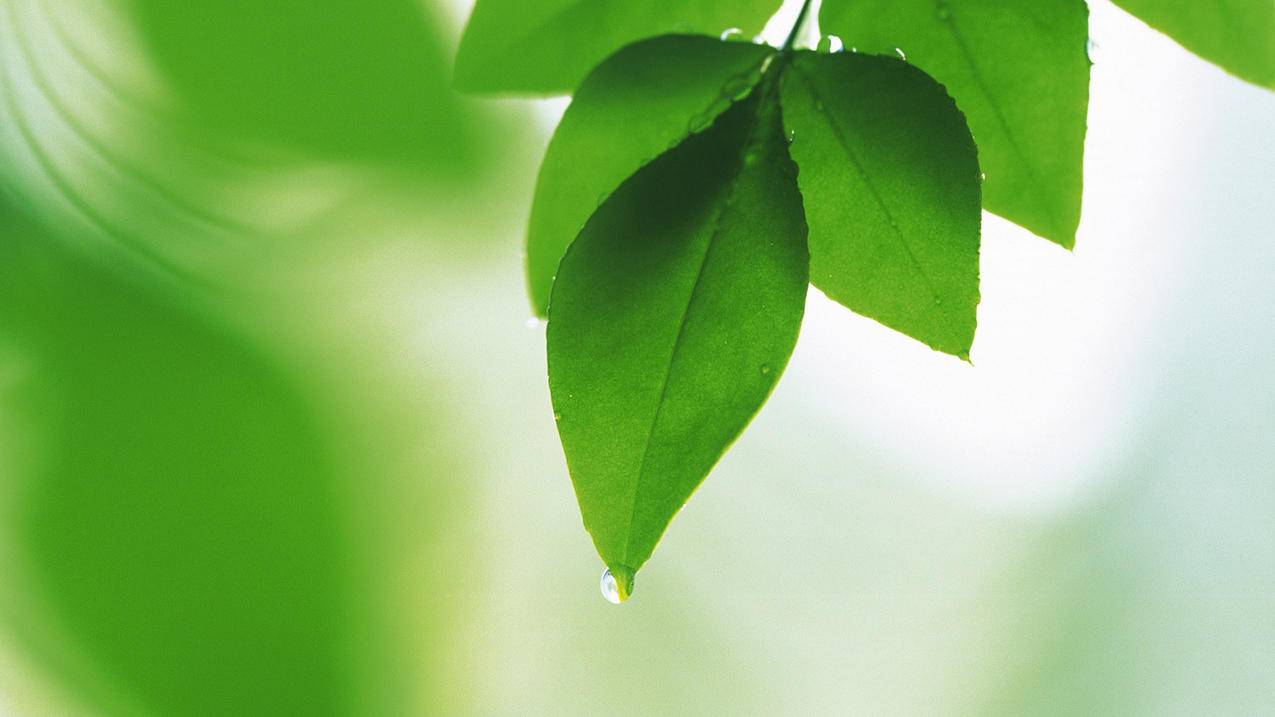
(1020, 72)
(1238, 35)
(548, 46)
(632, 108)
(889, 176)
(673, 315)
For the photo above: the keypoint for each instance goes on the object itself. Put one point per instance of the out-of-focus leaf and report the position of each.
(630, 109)
(337, 79)
(889, 177)
(672, 317)
(1238, 35)
(548, 46)
(1018, 70)
(178, 528)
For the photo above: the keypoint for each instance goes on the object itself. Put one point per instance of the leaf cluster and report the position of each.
(696, 185)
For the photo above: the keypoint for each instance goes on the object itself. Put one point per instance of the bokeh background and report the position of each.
(275, 435)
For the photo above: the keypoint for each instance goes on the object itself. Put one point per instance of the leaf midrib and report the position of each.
(733, 184)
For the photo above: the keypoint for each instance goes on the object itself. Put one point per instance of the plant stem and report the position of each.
(796, 27)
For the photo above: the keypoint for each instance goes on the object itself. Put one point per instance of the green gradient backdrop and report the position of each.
(274, 438)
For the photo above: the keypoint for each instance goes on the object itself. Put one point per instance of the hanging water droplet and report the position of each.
(1092, 50)
(902, 55)
(612, 591)
(831, 43)
(731, 33)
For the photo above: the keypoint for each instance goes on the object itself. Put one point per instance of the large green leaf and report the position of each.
(1018, 70)
(629, 110)
(178, 528)
(889, 176)
(1239, 35)
(672, 317)
(547, 46)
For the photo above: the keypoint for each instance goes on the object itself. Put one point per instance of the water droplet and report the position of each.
(738, 87)
(1092, 50)
(792, 135)
(902, 55)
(982, 177)
(612, 590)
(731, 33)
(534, 322)
(699, 122)
(765, 369)
(854, 50)
(831, 43)
(759, 40)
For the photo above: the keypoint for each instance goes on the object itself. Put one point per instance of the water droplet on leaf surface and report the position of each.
(831, 43)
(613, 589)
(731, 33)
(902, 55)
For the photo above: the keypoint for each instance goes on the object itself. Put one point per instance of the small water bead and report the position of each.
(699, 122)
(611, 588)
(982, 177)
(792, 135)
(902, 55)
(731, 33)
(1092, 50)
(534, 322)
(830, 44)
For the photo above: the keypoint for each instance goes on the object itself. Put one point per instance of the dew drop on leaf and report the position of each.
(902, 55)
(611, 588)
(1092, 50)
(831, 43)
(731, 33)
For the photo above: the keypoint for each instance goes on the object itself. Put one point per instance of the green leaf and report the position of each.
(1020, 72)
(176, 523)
(673, 315)
(889, 175)
(1238, 35)
(548, 46)
(633, 107)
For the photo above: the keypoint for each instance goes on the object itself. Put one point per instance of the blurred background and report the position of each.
(275, 435)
